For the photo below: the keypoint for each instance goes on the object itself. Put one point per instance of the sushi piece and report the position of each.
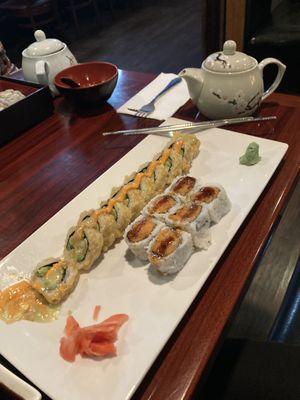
(190, 146)
(170, 250)
(139, 234)
(173, 165)
(161, 206)
(55, 279)
(136, 202)
(183, 186)
(109, 229)
(88, 219)
(147, 185)
(216, 200)
(83, 246)
(193, 218)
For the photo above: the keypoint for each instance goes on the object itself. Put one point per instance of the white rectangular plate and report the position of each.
(120, 284)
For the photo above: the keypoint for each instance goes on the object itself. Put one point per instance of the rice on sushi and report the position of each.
(169, 250)
(83, 246)
(193, 218)
(216, 200)
(55, 279)
(161, 206)
(139, 234)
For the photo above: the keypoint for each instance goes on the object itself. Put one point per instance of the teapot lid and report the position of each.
(43, 46)
(229, 60)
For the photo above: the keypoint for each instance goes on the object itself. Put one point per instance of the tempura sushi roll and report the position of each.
(55, 279)
(161, 206)
(190, 145)
(193, 218)
(170, 250)
(122, 215)
(183, 186)
(88, 219)
(136, 202)
(108, 228)
(216, 200)
(173, 165)
(160, 178)
(147, 185)
(83, 246)
(139, 234)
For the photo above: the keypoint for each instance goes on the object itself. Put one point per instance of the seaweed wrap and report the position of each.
(183, 186)
(170, 250)
(55, 279)
(161, 206)
(193, 218)
(216, 200)
(83, 246)
(139, 234)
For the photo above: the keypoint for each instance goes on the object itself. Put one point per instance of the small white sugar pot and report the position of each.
(230, 83)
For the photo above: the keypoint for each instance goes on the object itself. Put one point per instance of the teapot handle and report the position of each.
(280, 73)
(42, 72)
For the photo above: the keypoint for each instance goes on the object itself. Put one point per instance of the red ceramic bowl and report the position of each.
(97, 81)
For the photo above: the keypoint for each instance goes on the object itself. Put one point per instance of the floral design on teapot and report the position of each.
(238, 101)
(224, 63)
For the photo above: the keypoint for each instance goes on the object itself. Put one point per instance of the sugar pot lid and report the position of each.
(229, 60)
(43, 46)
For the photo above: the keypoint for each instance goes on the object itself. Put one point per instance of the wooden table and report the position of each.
(47, 166)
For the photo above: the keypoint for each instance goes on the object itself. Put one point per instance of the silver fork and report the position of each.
(150, 107)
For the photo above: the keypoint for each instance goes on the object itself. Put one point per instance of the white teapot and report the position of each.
(230, 83)
(43, 59)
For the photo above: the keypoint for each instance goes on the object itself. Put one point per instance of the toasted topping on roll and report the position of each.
(162, 204)
(187, 213)
(141, 230)
(166, 242)
(184, 185)
(206, 194)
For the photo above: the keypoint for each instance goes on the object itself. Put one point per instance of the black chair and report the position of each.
(275, 33)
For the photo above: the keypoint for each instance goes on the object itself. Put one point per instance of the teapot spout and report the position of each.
(194, 80)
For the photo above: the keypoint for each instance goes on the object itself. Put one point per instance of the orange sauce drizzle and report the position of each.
(21, 301)
(137, 180)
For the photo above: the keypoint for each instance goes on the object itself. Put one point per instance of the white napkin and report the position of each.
(166, 105)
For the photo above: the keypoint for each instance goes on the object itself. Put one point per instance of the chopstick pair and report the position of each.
(168, 130)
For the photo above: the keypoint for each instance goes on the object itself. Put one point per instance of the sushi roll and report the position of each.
(160, 177)
(88, 219)
(122, 216)
(170, 250)
(161, 206)
(216, 200)
(193, 218)
(55, 279)
(173, 165)
(136, 202)
(139, 234)
(190, 145)
(147, 185)
(108, 228)
(83, 246)
(183, 186)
